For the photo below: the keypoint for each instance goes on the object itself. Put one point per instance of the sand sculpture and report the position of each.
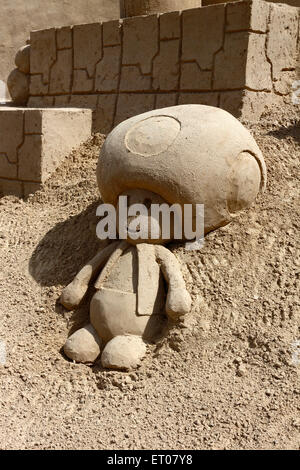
(188, 154)
(18, 79)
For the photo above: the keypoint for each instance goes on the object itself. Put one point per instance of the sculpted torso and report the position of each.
(130, 306)
(121, 289)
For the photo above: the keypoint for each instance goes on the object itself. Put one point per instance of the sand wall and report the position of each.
(19, 17)
(240, 56)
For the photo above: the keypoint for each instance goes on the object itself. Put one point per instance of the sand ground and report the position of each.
(227, 379)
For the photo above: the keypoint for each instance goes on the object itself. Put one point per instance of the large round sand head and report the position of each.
(189, 154)
(146, 7)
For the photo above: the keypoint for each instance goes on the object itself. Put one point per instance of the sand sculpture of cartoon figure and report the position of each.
(184, 155)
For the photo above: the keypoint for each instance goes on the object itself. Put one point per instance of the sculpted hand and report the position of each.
(178, 303)
(73, 294)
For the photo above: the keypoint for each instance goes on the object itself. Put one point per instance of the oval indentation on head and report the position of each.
(244, 182)
(152, 136)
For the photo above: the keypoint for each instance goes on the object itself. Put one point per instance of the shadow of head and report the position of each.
(66, 248)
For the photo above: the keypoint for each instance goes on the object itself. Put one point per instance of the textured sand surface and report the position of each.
(228, 379)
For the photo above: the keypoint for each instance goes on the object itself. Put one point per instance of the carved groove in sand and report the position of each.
(141, 141)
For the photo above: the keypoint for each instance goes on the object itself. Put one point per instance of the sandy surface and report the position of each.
(228, 379)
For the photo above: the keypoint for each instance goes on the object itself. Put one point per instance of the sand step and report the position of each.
(33, 142)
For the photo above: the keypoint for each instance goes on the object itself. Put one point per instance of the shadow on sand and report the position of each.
(284, 132)
(62, 252)
(65, 249)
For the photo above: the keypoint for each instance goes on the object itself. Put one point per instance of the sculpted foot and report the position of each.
(83, 345)
(123, 352)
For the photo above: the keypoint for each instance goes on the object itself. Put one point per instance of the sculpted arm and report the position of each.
(178, 299)
(76, 290)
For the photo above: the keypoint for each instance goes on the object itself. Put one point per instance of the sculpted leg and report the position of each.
(83, 345)
(123, 352)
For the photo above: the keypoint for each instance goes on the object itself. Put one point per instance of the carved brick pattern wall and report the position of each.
(33, 142)
(16, 135)
(238, 56)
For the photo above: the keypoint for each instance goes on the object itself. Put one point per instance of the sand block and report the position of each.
(33, 142)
